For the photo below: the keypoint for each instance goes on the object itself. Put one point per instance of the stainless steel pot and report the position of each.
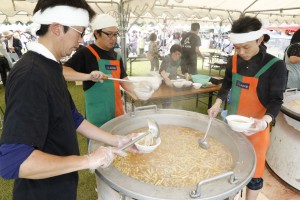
(220, 187)
(283, 153)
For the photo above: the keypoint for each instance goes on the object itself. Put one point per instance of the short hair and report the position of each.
(266, 38)
(153, 37)
(174, 48)
(195, 26)
(296, 37)
(246, 24)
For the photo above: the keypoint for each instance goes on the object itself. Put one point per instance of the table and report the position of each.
(165, 92)
(217, 66)
(135, 59)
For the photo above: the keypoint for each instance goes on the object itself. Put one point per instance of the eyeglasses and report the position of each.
(111, 35)
(82, 33)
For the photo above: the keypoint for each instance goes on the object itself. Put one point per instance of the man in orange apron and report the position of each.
(257, 82)
(91, 64)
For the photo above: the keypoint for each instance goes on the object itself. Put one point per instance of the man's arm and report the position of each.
(71, 75)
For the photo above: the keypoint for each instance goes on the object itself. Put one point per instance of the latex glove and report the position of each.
(97, 76)
(101, 157)
(258, 125)
(122, 140)
(214, 110)
(165, 74)
(168, 82)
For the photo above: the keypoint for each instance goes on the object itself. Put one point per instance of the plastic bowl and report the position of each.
(143, 95)
(147, 149)
(239, 123)
(197, 85)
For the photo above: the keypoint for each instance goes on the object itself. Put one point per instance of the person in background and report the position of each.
(170, 64)
(141, 43)
(5, 62)
(38, 146)
(257, 80)
(190, 43)
(13, 45)
(265, 40)
(153, 52)
(292, 61)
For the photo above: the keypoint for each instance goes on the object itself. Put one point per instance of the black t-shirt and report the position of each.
(85, 61)
(189, 43)
(39, 114)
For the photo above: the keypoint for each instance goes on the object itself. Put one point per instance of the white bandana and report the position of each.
(238, 38)
(64, 15)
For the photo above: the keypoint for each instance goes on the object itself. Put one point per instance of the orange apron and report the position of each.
(246, 102)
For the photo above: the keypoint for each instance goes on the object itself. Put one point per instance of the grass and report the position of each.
(87, 182)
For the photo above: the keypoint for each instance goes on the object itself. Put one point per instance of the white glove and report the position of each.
(97, 76)
(101, 157)
(168, 82)
(214, 110)
(258, 125)
(165, 74)
(122, 140)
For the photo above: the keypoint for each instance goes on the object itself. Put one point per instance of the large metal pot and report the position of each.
(220, 187)
(283, 154)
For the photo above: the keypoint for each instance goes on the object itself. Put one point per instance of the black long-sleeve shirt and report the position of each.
(271, 84)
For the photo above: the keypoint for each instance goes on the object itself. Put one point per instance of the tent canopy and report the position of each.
(140, 11)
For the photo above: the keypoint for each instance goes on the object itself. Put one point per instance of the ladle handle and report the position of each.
(134, 141)
(208, 127)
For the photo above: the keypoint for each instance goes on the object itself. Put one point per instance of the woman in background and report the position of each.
(292, 61)
(153, 53)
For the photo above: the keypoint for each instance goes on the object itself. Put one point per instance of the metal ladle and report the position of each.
(202, 142)
(153, 129)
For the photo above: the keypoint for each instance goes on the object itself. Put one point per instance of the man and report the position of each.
(5, 62)
(13, 45)
(190, 50)
(265, 40)
(258, 81)
(39, 147)
(93, 63)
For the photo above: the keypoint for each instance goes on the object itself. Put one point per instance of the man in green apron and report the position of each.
(91, 64)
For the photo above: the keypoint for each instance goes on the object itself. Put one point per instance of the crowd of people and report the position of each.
(39, 147)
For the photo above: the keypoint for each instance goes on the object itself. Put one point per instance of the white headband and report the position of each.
(237, 38)
(64, 15)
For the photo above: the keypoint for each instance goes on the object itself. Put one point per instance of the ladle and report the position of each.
(152, 129)
(202, 142)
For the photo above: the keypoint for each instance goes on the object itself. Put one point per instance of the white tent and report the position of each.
(223, 11)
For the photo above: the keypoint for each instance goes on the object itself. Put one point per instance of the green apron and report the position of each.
(103, 100)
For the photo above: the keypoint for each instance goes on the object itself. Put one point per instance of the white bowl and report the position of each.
(178, 84)
(187, 83)
(147, 149)
(142, 94)
(197, 85)
(239, 123)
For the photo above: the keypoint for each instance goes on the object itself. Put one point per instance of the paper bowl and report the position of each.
(239, 123)
(143, 95)
(147, 149)
(197, 85)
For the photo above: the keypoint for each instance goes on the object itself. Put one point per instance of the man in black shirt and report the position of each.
(190, 50)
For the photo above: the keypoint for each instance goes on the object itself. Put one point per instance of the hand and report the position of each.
(258, 125)
(164, 74)
(97, 76)
(122, 140)
(214, 110)
(101, 157)
(168, 82)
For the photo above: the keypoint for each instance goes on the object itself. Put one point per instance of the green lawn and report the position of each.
(86, 189)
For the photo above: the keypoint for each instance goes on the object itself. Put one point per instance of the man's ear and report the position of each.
(56, 29)
(260, 40)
